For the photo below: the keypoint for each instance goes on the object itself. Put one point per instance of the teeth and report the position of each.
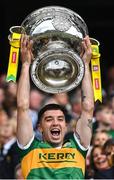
(101, 161)
(55, 129)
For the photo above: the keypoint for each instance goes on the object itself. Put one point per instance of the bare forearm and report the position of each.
(84, 124)
(24, 123)
(87, 91)
(23, 87)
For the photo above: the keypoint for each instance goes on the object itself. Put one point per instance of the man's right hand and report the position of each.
(26, 49)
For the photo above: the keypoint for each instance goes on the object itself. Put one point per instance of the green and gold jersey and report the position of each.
(42, 161)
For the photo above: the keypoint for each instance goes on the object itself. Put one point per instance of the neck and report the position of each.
(54, 145)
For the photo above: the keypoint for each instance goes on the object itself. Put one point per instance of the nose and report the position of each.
(55, 122)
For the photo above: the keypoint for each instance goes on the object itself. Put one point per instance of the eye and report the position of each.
(108, 153)
(49, 119)
(61, 119)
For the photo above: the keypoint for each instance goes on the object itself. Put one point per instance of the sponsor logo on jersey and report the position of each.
(56, 156)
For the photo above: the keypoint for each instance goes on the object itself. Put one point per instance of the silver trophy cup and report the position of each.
(57, 33)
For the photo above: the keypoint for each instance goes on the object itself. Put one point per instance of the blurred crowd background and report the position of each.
(99, 16)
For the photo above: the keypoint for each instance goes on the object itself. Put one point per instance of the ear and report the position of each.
(66, 124)
(39, 127)
(66, 127)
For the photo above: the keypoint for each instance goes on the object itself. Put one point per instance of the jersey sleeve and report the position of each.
(27, 145)
(76, 144)
(23, 150)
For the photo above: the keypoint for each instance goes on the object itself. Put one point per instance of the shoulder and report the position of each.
(75, 143)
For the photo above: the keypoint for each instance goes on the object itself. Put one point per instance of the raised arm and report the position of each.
(84, 124)
(24, 123)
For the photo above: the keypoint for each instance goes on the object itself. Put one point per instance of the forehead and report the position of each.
(101, 135)
(56, 112)
(97, 150)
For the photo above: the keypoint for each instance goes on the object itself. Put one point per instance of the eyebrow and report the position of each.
(61, 117)
(47, 117)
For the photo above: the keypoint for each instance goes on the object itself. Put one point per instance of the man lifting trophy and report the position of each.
(56, 51)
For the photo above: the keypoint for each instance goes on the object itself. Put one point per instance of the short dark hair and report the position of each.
(51, 107)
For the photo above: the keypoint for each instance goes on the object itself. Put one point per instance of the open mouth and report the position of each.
(55, 132)
(101, 161)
